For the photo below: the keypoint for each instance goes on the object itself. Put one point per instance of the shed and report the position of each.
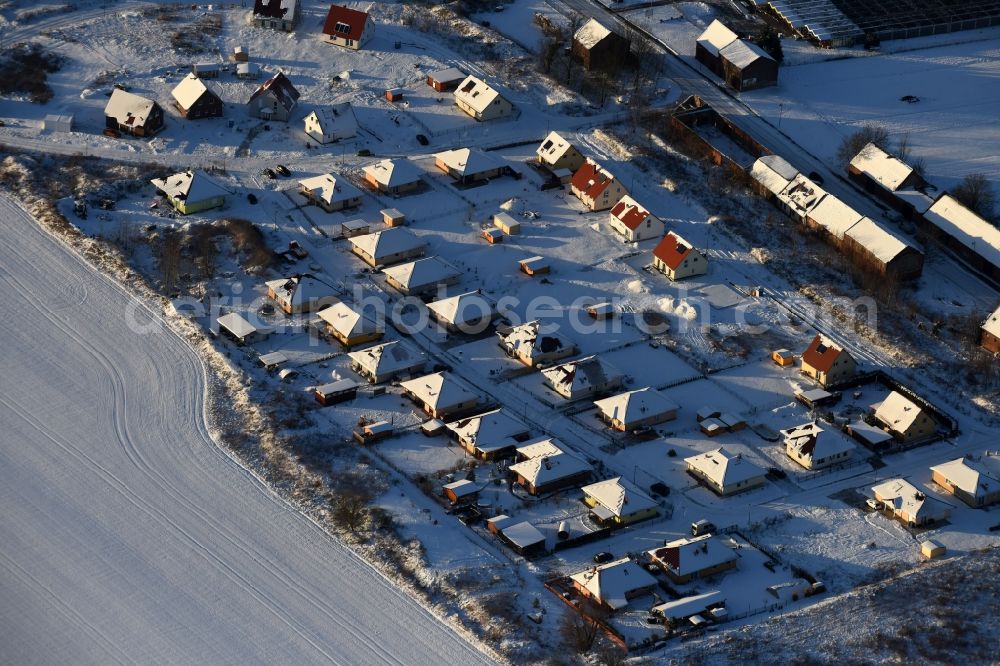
(54, 123)
(247, 70)
(353, 228)
(446, 79)
(496, 524)
(394, 94)
(932, 549)
(493, 236)
(241, 54)
(817, 397)
(524, 538)
(239, 329)
(272, 360)
(433, 427)
(460, 491)
(373, 432)
(602, 310)
(206, 70)
(393, 217)
(335, 392)
(783, 357)
(506, 224)
(536, 265)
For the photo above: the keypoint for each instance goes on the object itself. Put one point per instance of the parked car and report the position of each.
(252, 198)
(270, 173)
(702, 526)
(660, 488)
(603, 557)
(283, 170)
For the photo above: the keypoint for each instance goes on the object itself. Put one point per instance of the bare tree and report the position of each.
(855, 143)
(976, 194)
(579, 631)
(206, 251)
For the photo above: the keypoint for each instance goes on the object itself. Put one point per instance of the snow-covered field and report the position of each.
(127, 535)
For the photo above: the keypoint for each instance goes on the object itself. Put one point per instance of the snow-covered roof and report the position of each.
(636, 405)
(281, 87)
(300, 290)
(189, 91)
(907, 498)
(476, 93)
(619, 496)
(691, 555)
(581, 374)
(462, 488)
(976, 475)
(716, 37)
(801, 195)
(490, 431)
(339, 386)
(523, 534)
(614, 582)
(897, 412)
(347, 321)
(590, 33)
(534, 339)
(189, 186)
(870, 434)
(471, 306)
(422, 272)
(336, 120)
(393, 173)
(629, 212)
(236, 324)
(128, 108)
(812, 440)
(881, 242)
(972, 231)
(724, 468)
(542, 447)
(545, 469)
(678, 609)
(834, 215)
(387, 242)
(438, 390)
(742, 53)
(992, 323)
(469, 161)
(447, 75)
(553, 147)
(885, 169)
(330, 188)
(773, 172)
(389, 358)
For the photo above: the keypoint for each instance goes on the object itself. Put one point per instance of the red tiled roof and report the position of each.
(355, 20)
(631, 215)
(672, 250)
(591, 179)
(821, 354)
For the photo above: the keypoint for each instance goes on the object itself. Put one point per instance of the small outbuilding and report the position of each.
(336, 392)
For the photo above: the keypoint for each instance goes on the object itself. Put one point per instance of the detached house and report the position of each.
(422, 276)
(597, 188)
(887, 177)
(903, 419)
(275, 99)
(547, 466)
(397, 176)
(615, 584)
(332, 123)
(815, 447)
(468, 312)
(746, 66)
(481, 100)
(910, 505)
(191, 191)
(827, 363)
(532, 343)
(349, 28)
(387, 247)
(331, 193)
(489, 435)
(556, 153)
(388, 361)
(599, 47)
(685, 560)
(618, 502)
(583, 378)
(725, 473)
(276, 14)
(469, 165)
(636, 409)
(634, 222)
(973, 479)
(300, 293)
(715, 38)
(990, 333)
(440, 395)
(678, 259)
(349, 327)
(194, 99)
(132, 114)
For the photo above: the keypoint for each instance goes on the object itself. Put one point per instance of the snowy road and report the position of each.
(126, 535)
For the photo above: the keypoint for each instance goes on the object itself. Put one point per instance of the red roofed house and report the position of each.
(634, 222)
(678, 259)
(596, 188)
(827, 363)
(348, 27)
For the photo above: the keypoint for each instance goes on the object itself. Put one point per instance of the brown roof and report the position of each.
(591, 179)
(273, 8)
(672, 250)
(630, 214)
(283, 89)
(354, 21)
(822, 354)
